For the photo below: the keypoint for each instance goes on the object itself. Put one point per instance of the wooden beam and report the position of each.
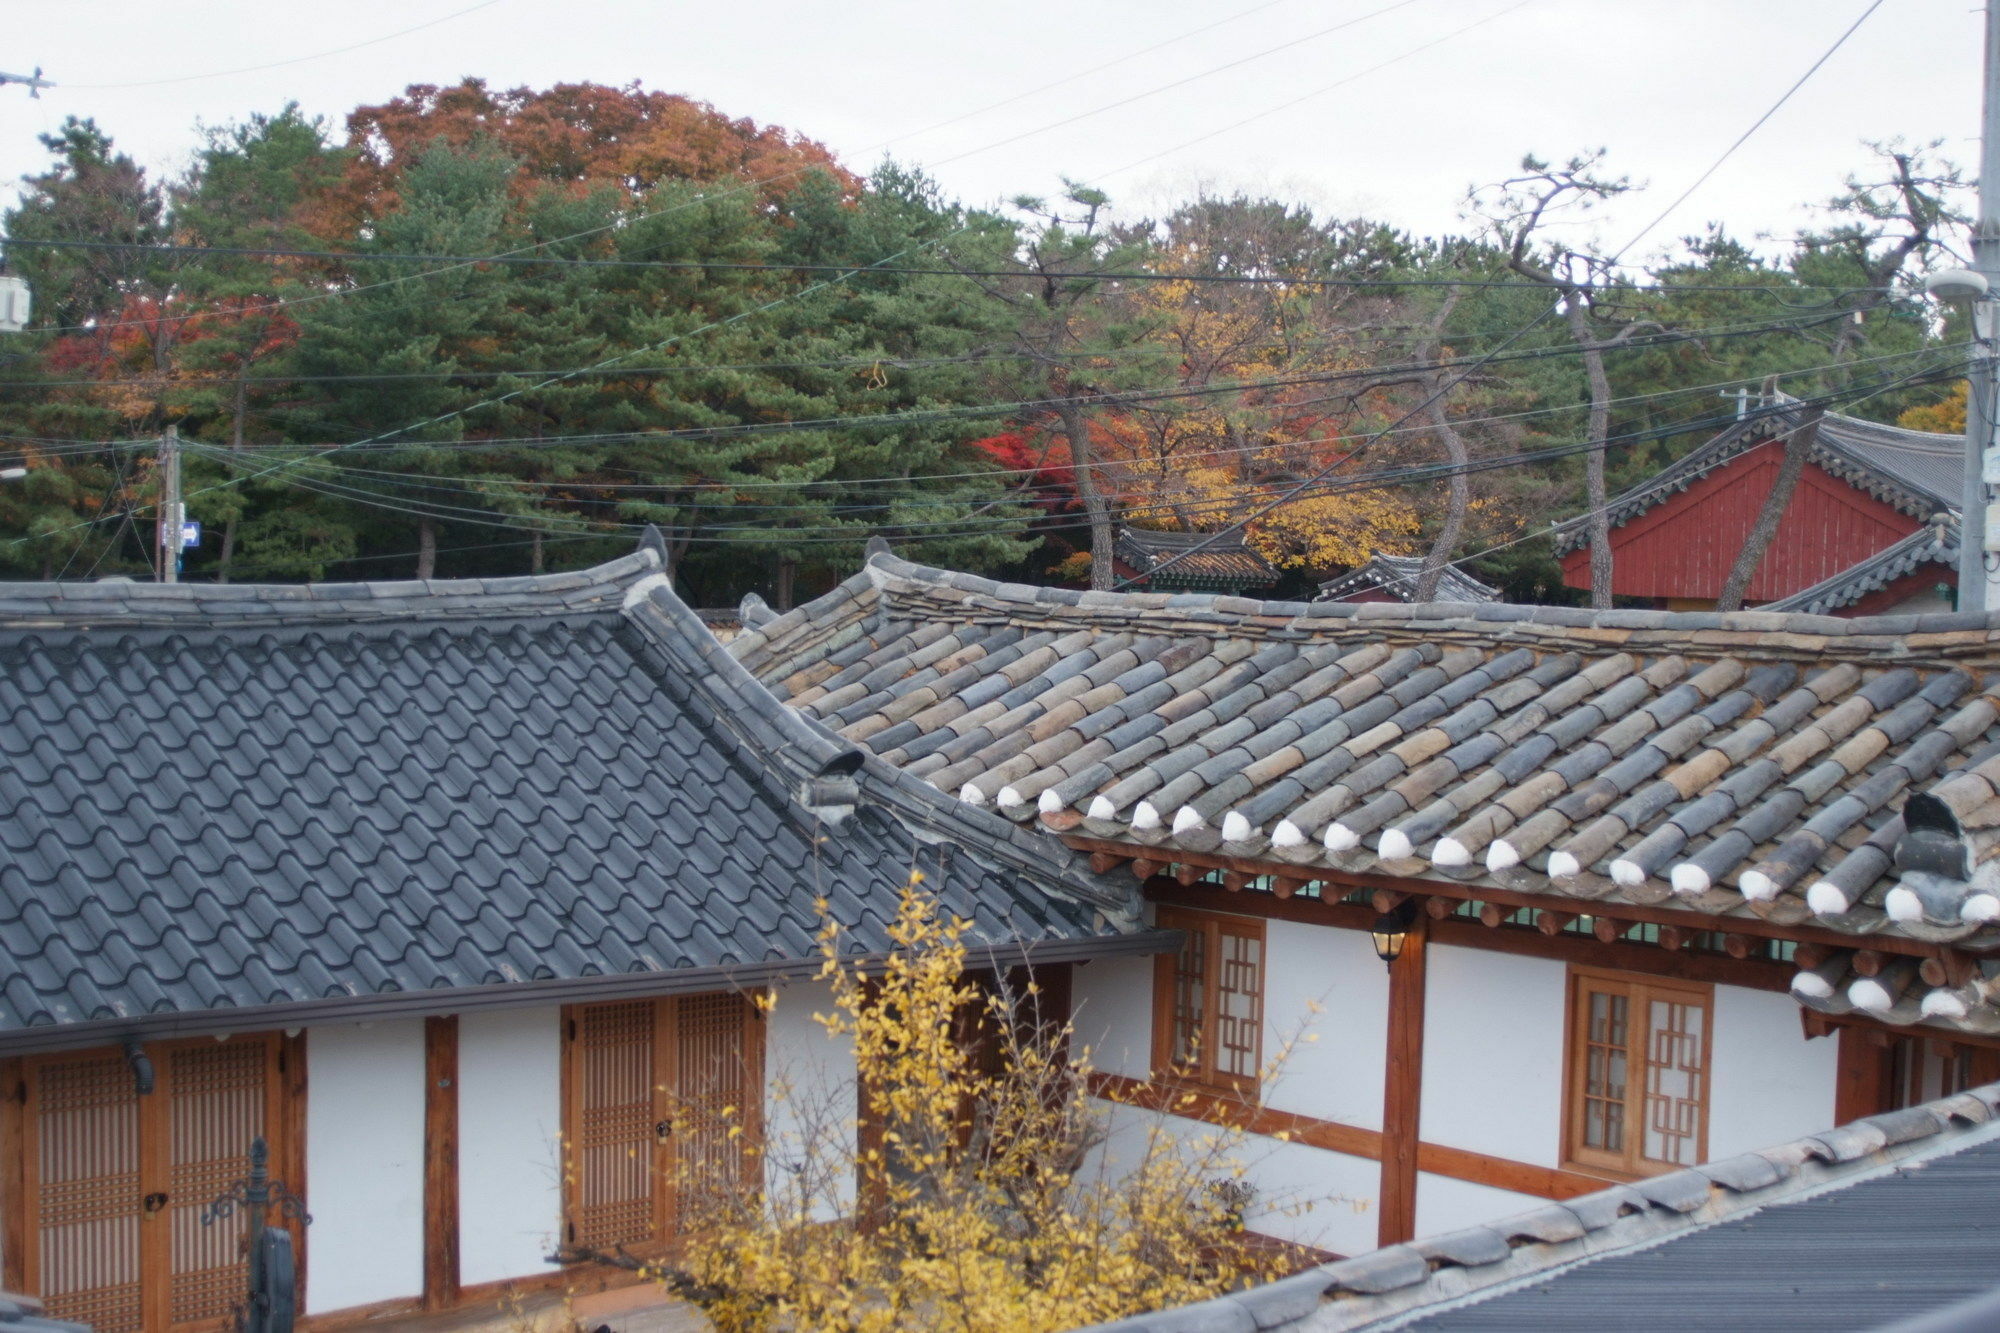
(1144, 867)
(1501, 1173)
(1285, 887)
(1492, 914)
(441, 1284)
(1402, 1096)
(1437, 909)
(1386, 901)
(1461, 932)
(1234, 880)
(1348, 881)
(1187, 873)
(1103, 863)
(1869, 962)
(1608, 931)
(1741, 946)
(1553, 923)
(292, 1065)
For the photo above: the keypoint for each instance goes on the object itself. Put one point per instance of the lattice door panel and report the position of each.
(715, 1100)
(83, 1120)
(216, 1099)
(614, 1085)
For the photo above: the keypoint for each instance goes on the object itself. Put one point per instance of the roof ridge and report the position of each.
(1463, 1267)
(1960, 639)
(814, 752)
(115, 604)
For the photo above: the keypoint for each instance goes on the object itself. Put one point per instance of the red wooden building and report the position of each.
(1871, 529)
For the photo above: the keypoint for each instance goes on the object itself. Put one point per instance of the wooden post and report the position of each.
(1861, 1076)
(441, 1289)
(1402, 1095)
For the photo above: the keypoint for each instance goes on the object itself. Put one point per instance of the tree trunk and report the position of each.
(1798, 447)
(788, 572)
(1458, 498)
(535, 553)
(228, 553)
(1595, 491)
(237, 410)
(427, 548)
(1083, 464)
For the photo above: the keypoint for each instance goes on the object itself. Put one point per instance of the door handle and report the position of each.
(155, 1202)
(663, 1131)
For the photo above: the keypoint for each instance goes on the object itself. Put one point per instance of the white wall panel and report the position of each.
(811, 1104)
(364, 1163)
(509, 1142)
(1493, 1054)
(1767, 1083)
(1326, 996)
(1112, 1001)
(1308, 1195)
(1444, 1204)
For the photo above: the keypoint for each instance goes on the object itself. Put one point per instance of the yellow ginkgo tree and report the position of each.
(975, 1192)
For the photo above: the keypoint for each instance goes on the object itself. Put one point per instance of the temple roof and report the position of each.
(375, 798)
(1224, 560)
(1751, 765)
(1935, 545)
(1397, 576)
(1916, 472)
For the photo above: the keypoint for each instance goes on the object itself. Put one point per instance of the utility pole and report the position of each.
(35, 81)
(170, 504)
(1979, 568)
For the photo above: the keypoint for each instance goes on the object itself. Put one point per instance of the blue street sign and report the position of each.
(190, 535)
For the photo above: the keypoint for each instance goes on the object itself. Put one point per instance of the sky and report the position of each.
(1388, 108)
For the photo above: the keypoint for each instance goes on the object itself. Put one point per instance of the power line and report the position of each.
(1444, 389)
(948, 528)
(722, 266)
(1106, 466)
(295, 60)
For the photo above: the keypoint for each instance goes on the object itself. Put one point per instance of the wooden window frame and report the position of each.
(1209, 928)
(1640, 990)
(666, 1209)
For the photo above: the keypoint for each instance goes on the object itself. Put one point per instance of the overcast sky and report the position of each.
(1150, 99)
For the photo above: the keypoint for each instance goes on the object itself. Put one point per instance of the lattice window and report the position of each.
(115, 1183)
(1209, 1001)
(1638, 1074)
(662, 1113)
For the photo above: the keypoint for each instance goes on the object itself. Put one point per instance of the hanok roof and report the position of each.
(1397, 575)
(1857, 1228)
(1933, 546)
(1916, 472)
(1224, 560)
(369, 798)
(1751, 765)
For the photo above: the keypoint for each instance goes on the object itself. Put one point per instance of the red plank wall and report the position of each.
(1683, 546)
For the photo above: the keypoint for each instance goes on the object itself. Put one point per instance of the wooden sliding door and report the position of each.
(113, 1183)
(660, 1097)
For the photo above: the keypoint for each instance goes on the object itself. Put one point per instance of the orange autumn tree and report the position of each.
(1273, 387)
(573, 137)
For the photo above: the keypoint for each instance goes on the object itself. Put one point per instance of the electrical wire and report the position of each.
(295, 60)
(1096, 275)
(947, 528)
(1619, 254)
(1107, 466)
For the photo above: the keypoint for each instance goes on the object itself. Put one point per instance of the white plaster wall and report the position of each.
(1767, 1083)
(810, 1106)
(1111, 1002)
(1493, 1054)
(509, 1142)
(1444, 1204)
(1307, 1195)
(364, 1163)
(1326, 1014)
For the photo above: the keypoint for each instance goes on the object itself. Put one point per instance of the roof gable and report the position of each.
(1914, 472)
(300, 798)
